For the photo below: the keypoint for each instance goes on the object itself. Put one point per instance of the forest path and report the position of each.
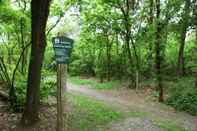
(130, 100)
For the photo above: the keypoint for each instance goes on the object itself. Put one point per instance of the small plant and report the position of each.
(47, 87)
(20, 89)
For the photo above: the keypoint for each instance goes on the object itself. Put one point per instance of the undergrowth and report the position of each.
(183, 96)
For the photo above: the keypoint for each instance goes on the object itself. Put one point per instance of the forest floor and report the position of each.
(153, 113)
(118, 109)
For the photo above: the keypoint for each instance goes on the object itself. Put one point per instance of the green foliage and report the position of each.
(47, 88)
(56, 8)
(20, 90)
(8, 15)
(93, 83)
(81, 81)
(167, 125)
(82, 61)
(108, 85)
(14, 35)
(184, 96)
(48, 85)
(49, 57)
(104, 25)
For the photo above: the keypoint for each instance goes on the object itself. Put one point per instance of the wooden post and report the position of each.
(62, 47)
(61, 100)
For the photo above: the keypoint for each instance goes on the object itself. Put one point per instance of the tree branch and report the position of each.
(53, 26)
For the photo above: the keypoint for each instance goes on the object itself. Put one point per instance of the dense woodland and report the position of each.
(143, 43)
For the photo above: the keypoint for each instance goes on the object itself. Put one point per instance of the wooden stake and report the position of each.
(61, 100)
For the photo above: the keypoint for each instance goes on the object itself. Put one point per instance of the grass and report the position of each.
(94, 84)
(80, 81)
(137, 114)
(108, 85)
(93, 115)
(167, 125)
(89, 114)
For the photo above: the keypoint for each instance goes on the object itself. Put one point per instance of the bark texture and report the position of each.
(185, 24)
(158, 54)
(39, 12)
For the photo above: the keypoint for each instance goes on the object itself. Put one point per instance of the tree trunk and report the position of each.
(4, 71)
(39, 11)
(108, 53)
(196, 49)
(196, 37)
(196, 84)
(158, 52)
(180, 64)
(130, 59)
(12, 92)
(24, 56)
(149, 39)
(10, 56)
(119, 71)
(127, 34)
(137, 65)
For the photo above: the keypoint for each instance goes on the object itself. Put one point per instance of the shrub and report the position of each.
(20, 90)
(47, 88)
(184, 96)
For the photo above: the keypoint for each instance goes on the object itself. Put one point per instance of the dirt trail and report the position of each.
(128, 100)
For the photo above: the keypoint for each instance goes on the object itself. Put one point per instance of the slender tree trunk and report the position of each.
(9, 56)
(39, 11)
(22, 43)
(137, 65)
(196, 37)
(101, 74)
(108, 59)
(24, 57)
(149, 40)
(158, 52)
(127, 39)
(12, 92)
(131, 6)
(130, 58)
(108, 53)
(4, 71)
(9, 60)
(126, 13)
(119, 60)
(151, 13)
(180, 64)
(196, 50)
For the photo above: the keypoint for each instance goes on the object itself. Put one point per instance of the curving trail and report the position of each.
(128, 100)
